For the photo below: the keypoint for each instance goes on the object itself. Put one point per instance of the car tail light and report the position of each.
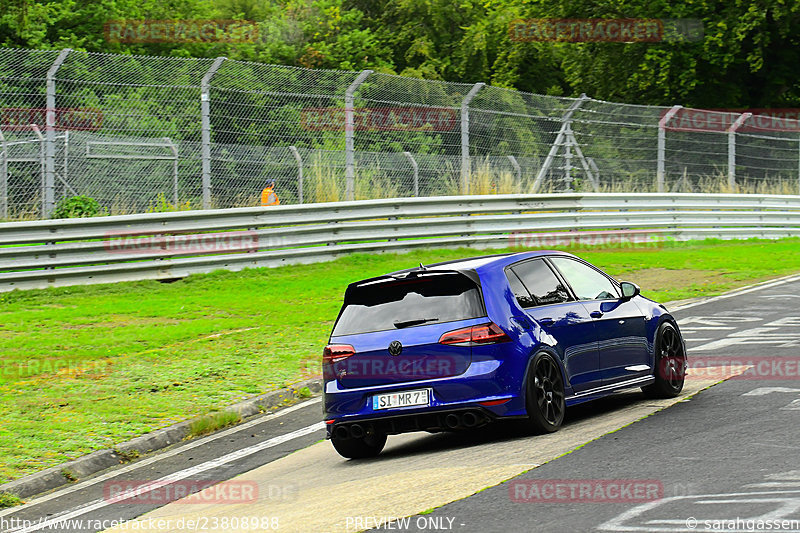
(490, 403)
(333, 353)
(488, 334)
(475, 335)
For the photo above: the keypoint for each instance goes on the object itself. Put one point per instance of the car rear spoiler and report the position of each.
(411, 274)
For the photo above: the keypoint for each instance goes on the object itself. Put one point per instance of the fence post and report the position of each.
(517, 168)
(568, 157)
(562, 132)
(465, 165)
(3, 177)
(349, 135)
(205, 129)
(732, 148)
(174, 150)
(299, 160)
(42, 162)
(66, 156)
(49, 181)
(662, 145)
(415, 168)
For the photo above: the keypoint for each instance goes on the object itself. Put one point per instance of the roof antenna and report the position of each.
(422, 267)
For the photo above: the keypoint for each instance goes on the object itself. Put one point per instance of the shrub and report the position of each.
(77, 207)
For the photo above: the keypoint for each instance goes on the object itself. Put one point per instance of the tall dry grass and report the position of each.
(326, 183)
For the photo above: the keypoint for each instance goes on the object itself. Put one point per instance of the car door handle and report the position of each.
(596, 314)
(546, 321)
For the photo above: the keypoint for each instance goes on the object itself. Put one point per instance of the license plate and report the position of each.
(401, 399)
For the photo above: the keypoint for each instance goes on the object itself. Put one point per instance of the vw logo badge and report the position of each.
(395, 348)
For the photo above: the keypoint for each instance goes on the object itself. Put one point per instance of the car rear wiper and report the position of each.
(417, 321)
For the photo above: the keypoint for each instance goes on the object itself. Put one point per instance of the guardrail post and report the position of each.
(205, 129)
(299, 160)
(349, 135)
(415, 168)
(465, 164)
(662, 145)
(732, 148)
(49, 178)
(562, 132)
(3, 177)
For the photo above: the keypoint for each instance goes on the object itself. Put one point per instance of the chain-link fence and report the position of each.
(155, 133)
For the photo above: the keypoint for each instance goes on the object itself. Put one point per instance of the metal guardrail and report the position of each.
(173, 245)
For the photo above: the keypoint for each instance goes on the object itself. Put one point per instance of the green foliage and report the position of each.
(162, 205)
(9, 500)
(77, 207)
(747, 57)
(213, 422)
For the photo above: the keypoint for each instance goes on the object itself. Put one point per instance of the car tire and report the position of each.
(359, 448)
(670, 363)
(544, 398)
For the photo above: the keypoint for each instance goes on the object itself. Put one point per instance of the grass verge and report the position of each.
(85, 368)
(9, 500)
(213, 422)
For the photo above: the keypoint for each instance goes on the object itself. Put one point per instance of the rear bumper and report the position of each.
(441, 420)
(482, 382)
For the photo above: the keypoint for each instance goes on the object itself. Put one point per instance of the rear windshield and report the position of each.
(403, 303)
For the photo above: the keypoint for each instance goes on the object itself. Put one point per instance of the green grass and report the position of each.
(9, 500)
(211, 423)
(85, 368)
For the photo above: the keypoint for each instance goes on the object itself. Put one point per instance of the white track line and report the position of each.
(133, 466)
(737, 292)
(176, 476)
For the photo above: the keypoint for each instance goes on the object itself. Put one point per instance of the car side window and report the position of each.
(541, 282)
(586, 282)
(520, 292)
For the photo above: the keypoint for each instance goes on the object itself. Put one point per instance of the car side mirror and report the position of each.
(629, 290)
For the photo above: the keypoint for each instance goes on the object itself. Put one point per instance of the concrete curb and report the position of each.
(69, 472)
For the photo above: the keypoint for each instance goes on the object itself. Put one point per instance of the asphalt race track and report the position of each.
(719, 458)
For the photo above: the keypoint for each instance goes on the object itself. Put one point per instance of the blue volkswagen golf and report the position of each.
(460, 344)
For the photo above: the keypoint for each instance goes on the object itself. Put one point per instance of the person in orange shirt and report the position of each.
(269, 196)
